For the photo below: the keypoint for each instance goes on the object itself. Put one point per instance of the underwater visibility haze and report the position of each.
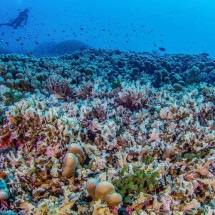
(107, 107)
(141, 25)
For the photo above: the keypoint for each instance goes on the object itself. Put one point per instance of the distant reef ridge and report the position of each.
(50, 49)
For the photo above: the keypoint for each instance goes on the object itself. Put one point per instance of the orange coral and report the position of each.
(6, 141)
(2, 175)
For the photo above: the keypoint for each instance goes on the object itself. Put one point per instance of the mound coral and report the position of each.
(70, 163)
(74, 156)
(77, 150)
(103, 191)
(91, 186)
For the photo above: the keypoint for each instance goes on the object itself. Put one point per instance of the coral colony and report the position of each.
(107, 132)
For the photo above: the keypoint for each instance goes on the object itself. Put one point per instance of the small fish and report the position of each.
(162, 49)
(58, 96)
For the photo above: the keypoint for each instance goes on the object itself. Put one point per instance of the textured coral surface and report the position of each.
(142, 122)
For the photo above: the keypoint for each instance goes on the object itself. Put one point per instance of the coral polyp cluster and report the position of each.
(107, 132)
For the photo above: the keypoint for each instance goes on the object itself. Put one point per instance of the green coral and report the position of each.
(190, 156)
(140, 181)
(148, 159)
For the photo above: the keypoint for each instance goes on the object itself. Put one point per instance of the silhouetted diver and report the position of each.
(20, 20)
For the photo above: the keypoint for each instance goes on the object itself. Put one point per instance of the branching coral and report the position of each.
(56, 84)
(134, 96)
(32, 121)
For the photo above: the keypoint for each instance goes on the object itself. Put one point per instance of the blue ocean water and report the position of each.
(177, 26)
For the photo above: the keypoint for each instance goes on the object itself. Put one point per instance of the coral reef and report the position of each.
(107, 132)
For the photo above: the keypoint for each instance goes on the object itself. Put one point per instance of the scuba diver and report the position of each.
(19, 21)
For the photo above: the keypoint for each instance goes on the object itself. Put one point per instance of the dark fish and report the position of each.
(162, 49)
(205, 54)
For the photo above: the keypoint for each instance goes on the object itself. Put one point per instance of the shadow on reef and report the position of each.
(50, 49)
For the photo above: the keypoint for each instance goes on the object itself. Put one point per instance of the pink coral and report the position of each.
(129, 210)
